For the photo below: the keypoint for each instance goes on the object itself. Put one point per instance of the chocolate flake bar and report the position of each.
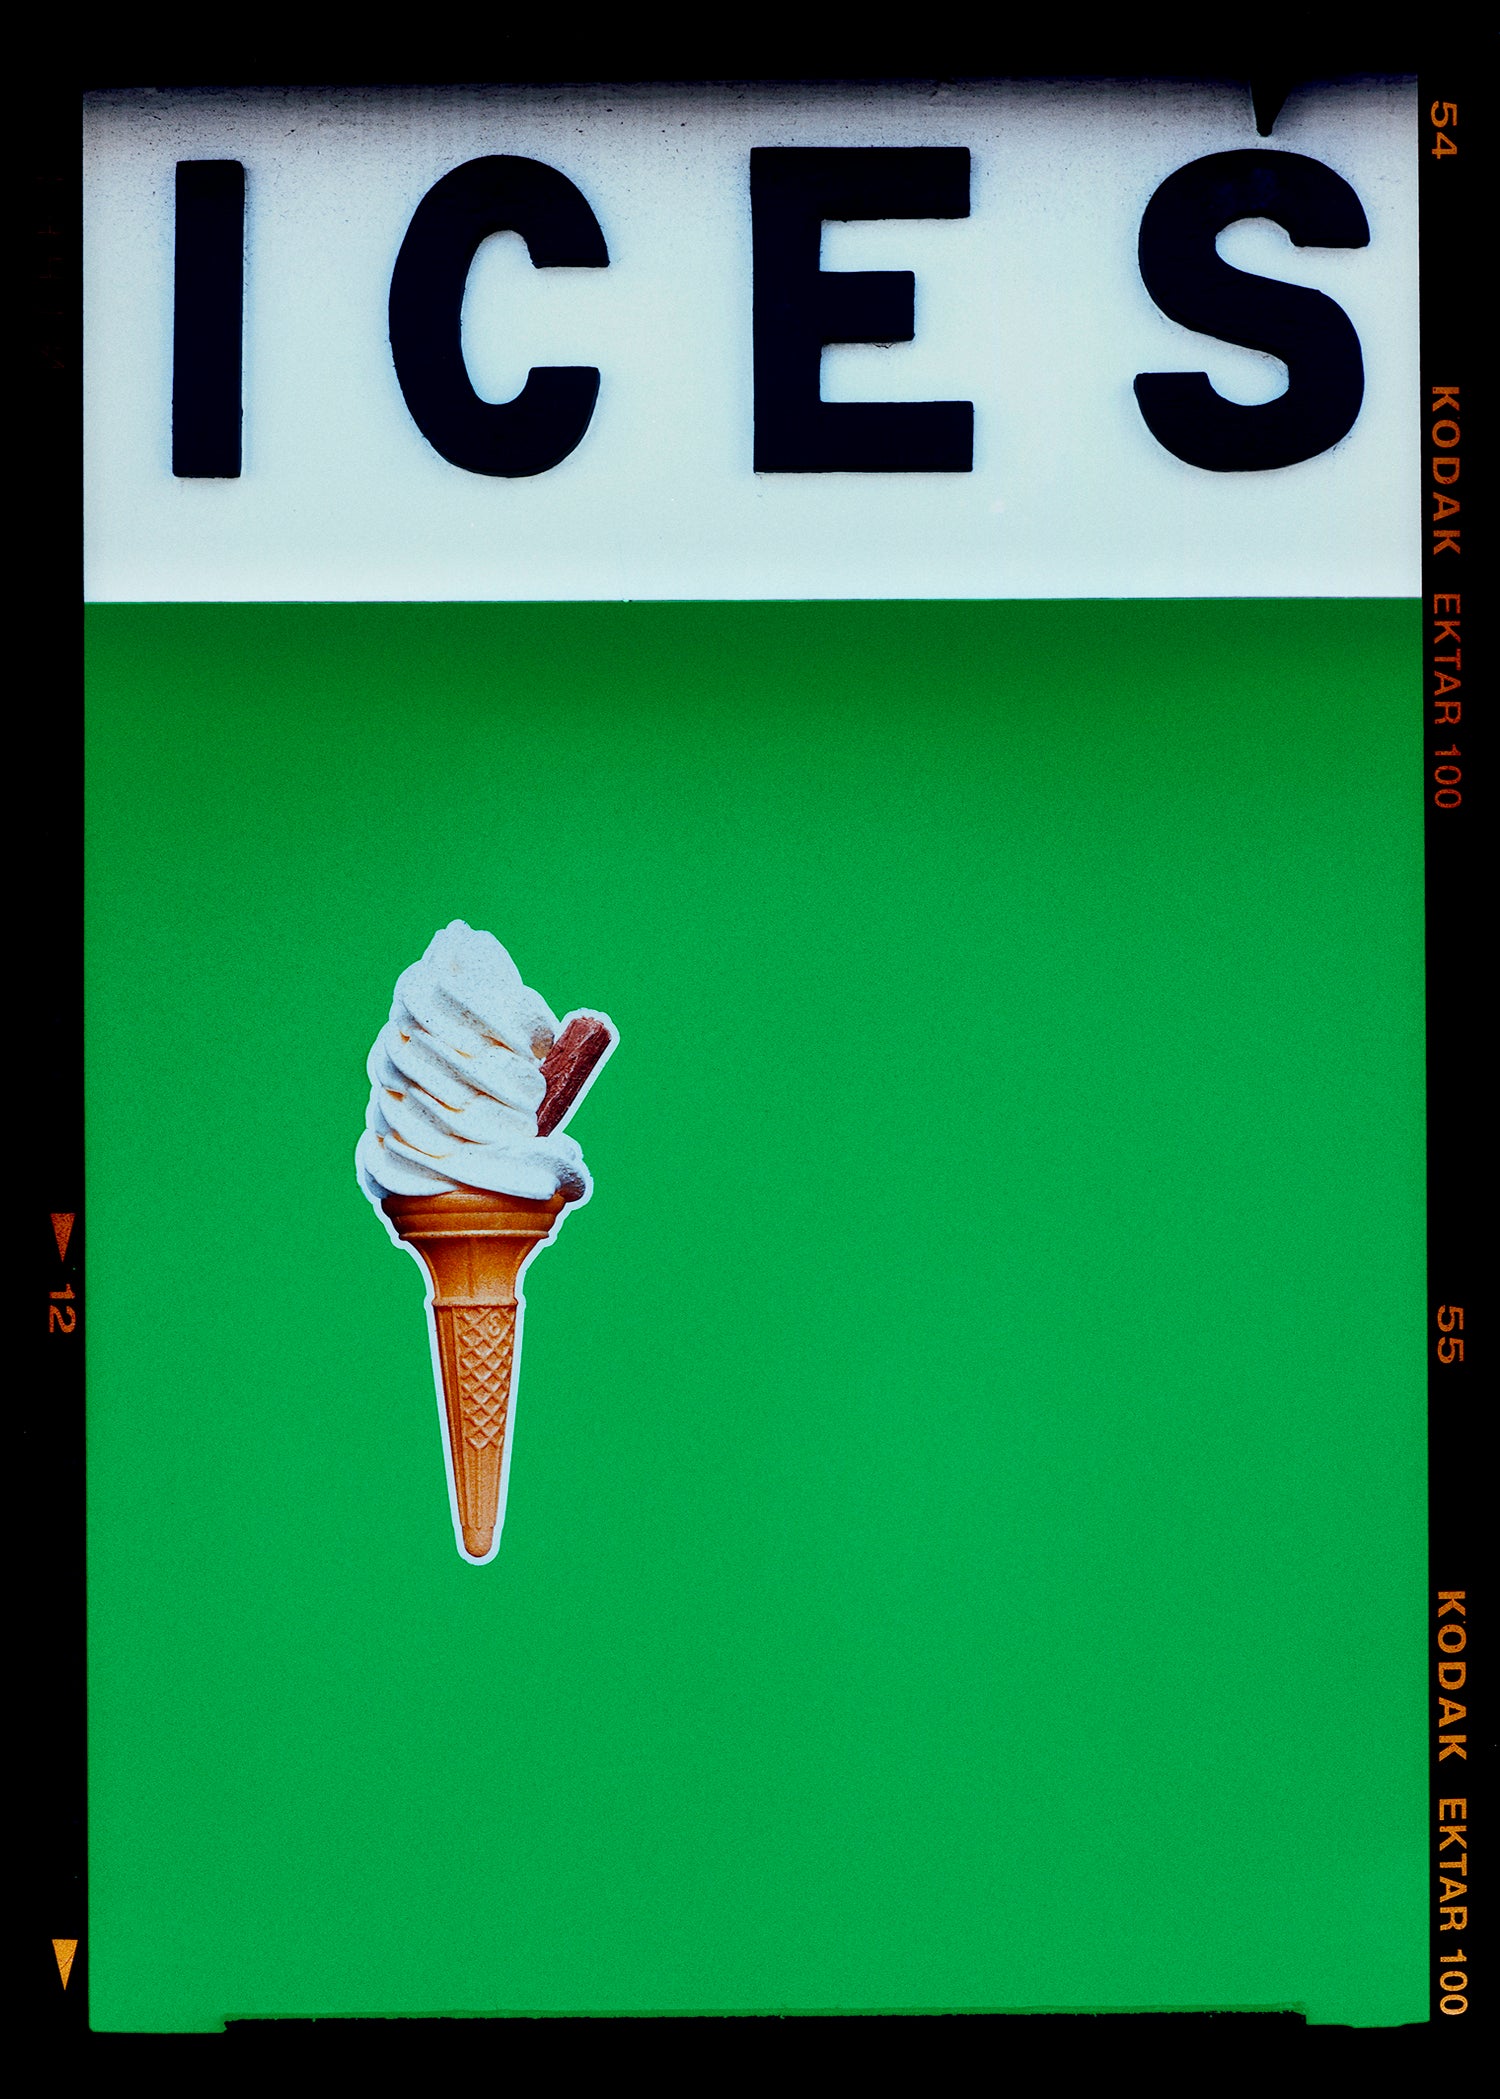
(567, 1065)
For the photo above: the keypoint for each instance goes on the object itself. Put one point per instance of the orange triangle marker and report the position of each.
(65, 1948)
(62, 1232)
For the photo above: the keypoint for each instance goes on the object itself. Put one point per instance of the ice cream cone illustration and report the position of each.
(472, 1080)
(474, 1245)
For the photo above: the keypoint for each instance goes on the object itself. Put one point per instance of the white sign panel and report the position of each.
(1032, 308)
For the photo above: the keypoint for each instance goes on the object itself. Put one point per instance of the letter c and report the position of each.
(501, 193)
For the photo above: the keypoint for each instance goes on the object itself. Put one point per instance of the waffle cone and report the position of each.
(473, 1245)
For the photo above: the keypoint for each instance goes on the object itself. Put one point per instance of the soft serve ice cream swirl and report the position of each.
(456, 1080)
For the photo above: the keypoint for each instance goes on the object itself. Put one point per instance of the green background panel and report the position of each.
(966, 1533)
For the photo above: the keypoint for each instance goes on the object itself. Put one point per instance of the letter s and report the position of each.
(1192, 284)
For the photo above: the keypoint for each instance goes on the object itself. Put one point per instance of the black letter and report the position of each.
(208, 303)
(799, 308)
(1191, 283)
(499, 194)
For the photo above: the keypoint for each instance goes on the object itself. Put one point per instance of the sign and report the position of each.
(773, 724)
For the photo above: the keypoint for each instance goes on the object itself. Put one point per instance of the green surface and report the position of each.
(966, 1534)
